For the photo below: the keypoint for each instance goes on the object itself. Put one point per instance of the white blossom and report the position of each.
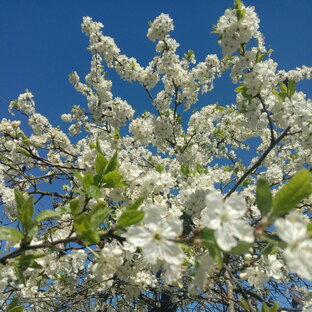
(225, 217)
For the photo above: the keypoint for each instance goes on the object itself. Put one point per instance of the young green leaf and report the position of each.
(25, 209)
(9, 233)
(291, 89)
(186, 170)
(208, 239)
(28, 261)
(159, 168)
(113, 179)
(130, 217)
(19, 308)
(93, 191)
(14, 306)
(136, 204)
(98, 214)
(85, 230)
(74, 206)
(100, 164)
(87, 179)
(112, 164)
(291, 194)
(269, 249)
(240, 248)
(45, 215)
(263, 197)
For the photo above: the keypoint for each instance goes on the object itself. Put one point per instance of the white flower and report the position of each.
(255, 276)
(155, 237)
(292, 229)
(109, 259)
(225, 218)
(273, 266)
(298, 254)
(206, 268)
(298, 259)
(160, 27)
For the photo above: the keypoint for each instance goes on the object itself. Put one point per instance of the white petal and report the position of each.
(214, 201)
(235, 206)
(210, 218)
(225, 239)
(172, 253)
(172, 228)
(152, 252)
(290, 230)
(242, 230)
(139, 236)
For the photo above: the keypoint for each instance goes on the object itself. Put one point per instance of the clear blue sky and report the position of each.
(41, 43)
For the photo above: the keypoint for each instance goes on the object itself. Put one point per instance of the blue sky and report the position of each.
(41, 43)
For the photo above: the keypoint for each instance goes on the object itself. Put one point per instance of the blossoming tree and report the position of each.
(168, 217)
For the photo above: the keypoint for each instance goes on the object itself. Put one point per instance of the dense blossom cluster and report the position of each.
(169, 216)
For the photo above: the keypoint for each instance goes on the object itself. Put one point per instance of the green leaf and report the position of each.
(283, 88)
(265, 308)
(189, 55)
(208, 239)
(309, 228)
(291, 194)
(23, 151)
(273, 308)
(112, 164)
(200, 169)
(246, 182)
(186, 170)
(15, 301)
(61, 210)
(87, 179)
(269, 249)
(238, 5)
(100, 164)
(98, 214)
(93, 191)
(159, 168)
(263, 197)
(98, 146)
(130, 217)
(136, 204)
(45, 215)
(28, 261)
(240, 14)
(97, 180)
(274, 239)
(9, 233)
(113, 179)
(25, 209)
(242, 247)
(14, 306)
(17, 309)
(74, 206)
(291, 89)
(85, 230)
(280, 96)
(78, 175)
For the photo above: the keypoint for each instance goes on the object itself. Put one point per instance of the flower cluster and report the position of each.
(171, 209)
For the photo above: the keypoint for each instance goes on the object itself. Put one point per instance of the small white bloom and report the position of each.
(255, 276)
(155, 237)
(225, 218)
(292, 229)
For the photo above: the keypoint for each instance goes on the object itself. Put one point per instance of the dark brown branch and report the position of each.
(258, 163)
